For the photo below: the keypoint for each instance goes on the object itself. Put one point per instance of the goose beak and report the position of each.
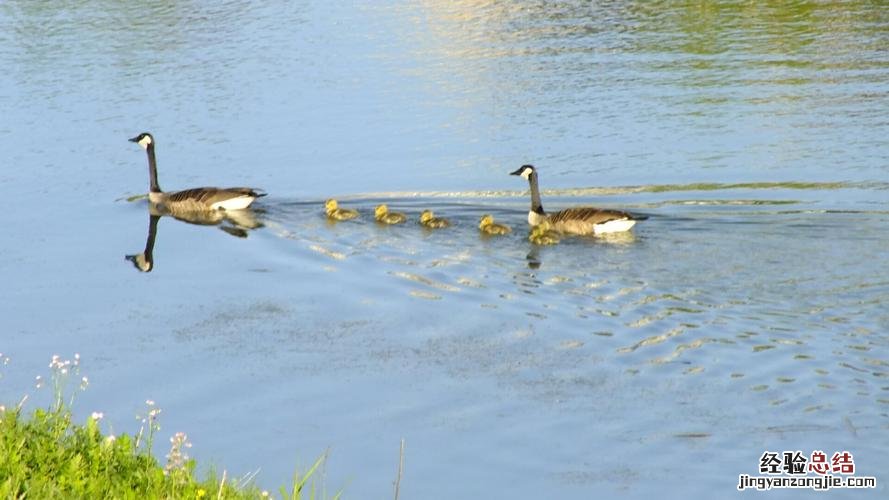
(517, 172)
(134, 139)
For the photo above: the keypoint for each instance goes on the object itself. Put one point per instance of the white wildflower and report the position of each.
(177, 457)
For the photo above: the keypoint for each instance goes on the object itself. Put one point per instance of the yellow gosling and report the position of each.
(428, 219)
(336, 213)
(382, 214)
(487, 226)
(542, 234)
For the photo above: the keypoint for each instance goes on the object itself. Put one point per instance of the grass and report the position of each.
(45, 454)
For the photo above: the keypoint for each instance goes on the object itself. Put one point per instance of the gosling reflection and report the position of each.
(234, 222)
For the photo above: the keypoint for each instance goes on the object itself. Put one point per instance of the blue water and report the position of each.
(748, 313)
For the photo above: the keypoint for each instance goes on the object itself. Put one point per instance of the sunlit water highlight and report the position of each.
(748, 313)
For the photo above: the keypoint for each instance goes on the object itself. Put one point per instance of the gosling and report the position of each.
(487, 226)
(336, 213)
(383, 215)
(542, 234)
(428, 219)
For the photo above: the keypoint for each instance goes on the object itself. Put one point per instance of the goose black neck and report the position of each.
(147, 258)
(536, 206)
(149, 243)
(152, 234)
(152, 170)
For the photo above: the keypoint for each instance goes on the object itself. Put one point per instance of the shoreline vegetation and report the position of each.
(45, 454)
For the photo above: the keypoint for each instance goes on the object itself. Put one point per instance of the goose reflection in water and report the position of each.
(613, 239)
(234, 222)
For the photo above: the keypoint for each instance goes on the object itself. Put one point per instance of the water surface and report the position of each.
(748, 313)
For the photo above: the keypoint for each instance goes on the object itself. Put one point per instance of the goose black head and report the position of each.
(524, 171)
(144, 139)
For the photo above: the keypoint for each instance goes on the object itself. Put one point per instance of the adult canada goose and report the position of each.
(487, 226)
(195, 199)
(543, 234)
(428, 219)
(578, 220)
(335, 212)
(382, 214)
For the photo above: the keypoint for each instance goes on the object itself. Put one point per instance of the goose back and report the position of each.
(588, 220)
(210, 198)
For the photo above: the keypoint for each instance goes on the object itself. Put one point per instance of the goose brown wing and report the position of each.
(588, 214)
(210, 195)
(202, 196)
(241, 191)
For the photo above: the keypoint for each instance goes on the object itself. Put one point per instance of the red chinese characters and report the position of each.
(842, 463)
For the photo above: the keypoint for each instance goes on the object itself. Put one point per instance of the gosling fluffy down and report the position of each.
(428, 219)
(487, 226)
(383, 215)
(336, 213)
(543, 234)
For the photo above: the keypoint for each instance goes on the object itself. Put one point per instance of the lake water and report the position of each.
(749, 313)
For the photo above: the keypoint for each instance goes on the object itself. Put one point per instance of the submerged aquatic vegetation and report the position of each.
(47, 455)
